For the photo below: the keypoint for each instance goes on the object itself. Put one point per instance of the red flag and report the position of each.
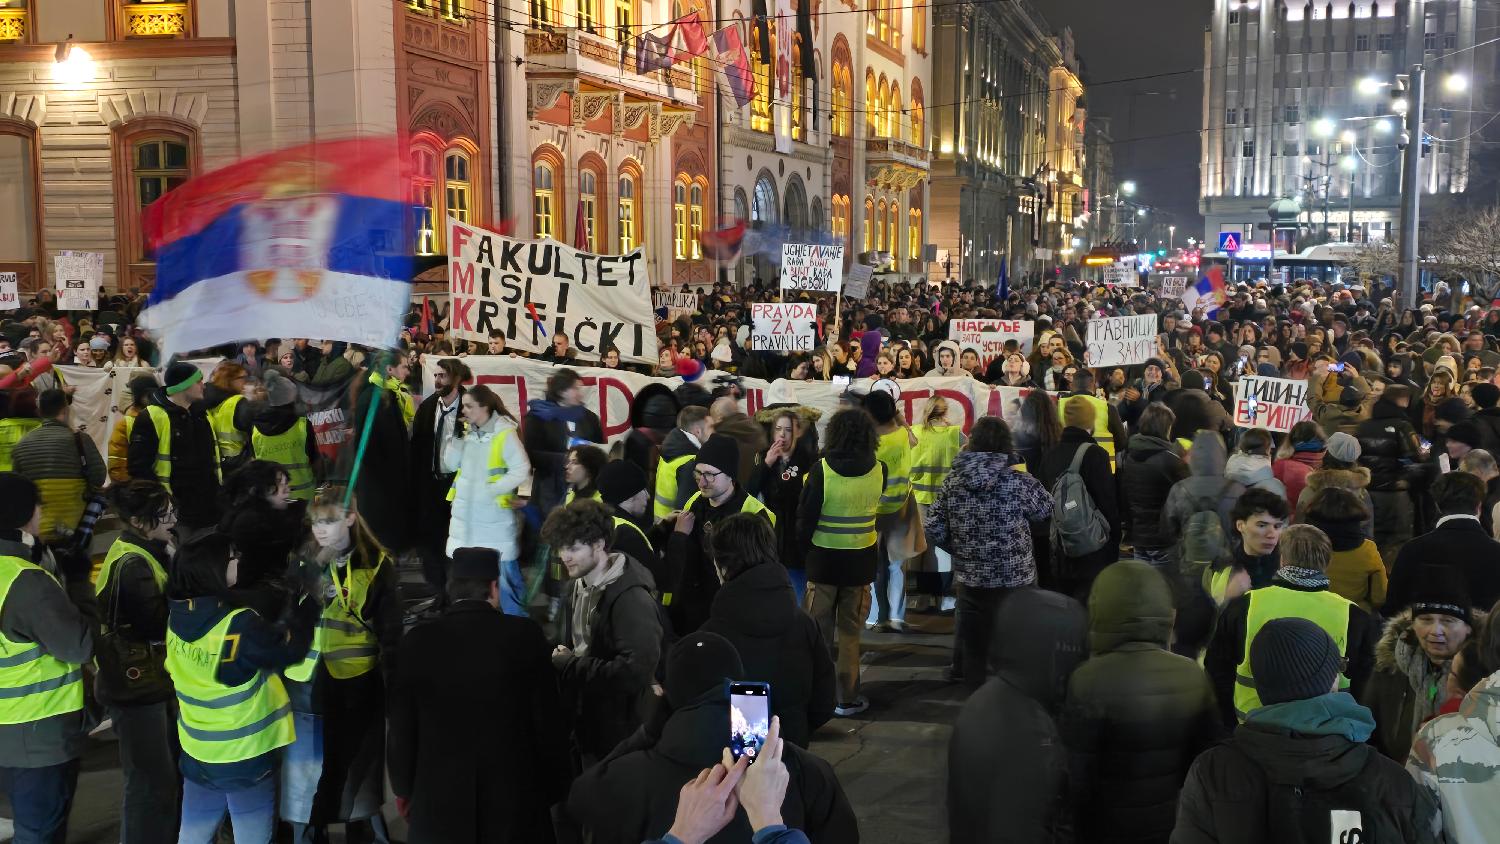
(580, 229)
(427, 315)
(694, 39)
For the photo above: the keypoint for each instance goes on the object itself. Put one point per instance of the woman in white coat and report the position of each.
(491, 465)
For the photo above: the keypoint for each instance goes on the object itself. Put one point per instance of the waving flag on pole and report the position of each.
(1209, 293)
(736, 65)
(1002, 284)
(312, 241)
(694, 39)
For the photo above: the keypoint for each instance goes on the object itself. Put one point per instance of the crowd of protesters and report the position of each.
(1173, 627)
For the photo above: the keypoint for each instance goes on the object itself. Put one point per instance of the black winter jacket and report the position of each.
(779, 644)
(1388, 447)
(1148, 469)
(194, 477)
(1100, 482)
(1459, 542)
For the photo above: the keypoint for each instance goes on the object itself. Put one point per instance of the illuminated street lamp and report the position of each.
(73, 65)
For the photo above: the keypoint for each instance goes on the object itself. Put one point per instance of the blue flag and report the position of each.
(1002, 285)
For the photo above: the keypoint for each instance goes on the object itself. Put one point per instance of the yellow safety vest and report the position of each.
(932, 460)
(231, 439)
(619, 523)
(218, 723)
(751, 504)
(569, 498)
(33, 684)
(289, 450)
(847, 518)
(11, 432)
(495, 469)
(163, 425)
(895, 453)
(342, 639)
(1102, 436)
(666, 485)
(399, 393)
(1325, 609)
(122, 548)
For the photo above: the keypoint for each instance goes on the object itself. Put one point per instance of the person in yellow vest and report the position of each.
(18, 407)
(334, 771)
(132, 682)
(63, 463)
(939, 442)
(228, 412)
(490, 464)
(581, 472)
(836, 524)
(1109, 431)
(44, 641)
(674, 468)
(281, 435)
(1299, 589)
(692, 579)
(233, 713)
(117, 457)
(622, 488)
(178, 447)
(888, 592)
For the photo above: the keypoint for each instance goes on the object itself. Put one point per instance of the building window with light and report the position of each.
(153, 19)
(695, 220)
(893, 109)
(919, 28)
(870, 224)
(160, 164)
(629, 219)
(796, 74)
(154, 157)
(424, 193)
(588, 15)
(543, 201)
(872, 105)
(588, 197)
(457, 186)
(680, 218)
(544, 13)
(761, 66)
(918, 122)
(880, 227)
(914, 234)
(842, 102)
(18, 200)
(15, 26)
(882, 105)
(624, 21)
(892, 215)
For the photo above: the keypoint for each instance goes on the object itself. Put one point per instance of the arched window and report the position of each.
(918, 115)
(19, 208)
(880, 105)
(15, 25)
(914, 234)
(424, 194)
(872, 105)
(458, 187)
(544, 201)
(695, 220)
(152, 19)
(741, 205)
(588, 197)
(815, 214)
(680, 217)
(870, 224)
(893, 107)
(761, 67)
(892, 215)
(795, 206)
(763, 204)
(152, 157)
(797, 81)
(880, 242)
(629, 217)
(841, 99)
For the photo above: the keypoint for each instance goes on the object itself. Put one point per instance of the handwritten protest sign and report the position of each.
(857, 285)
(783, 326)
(10, 295)
(1122, 276)
(534, 290)
(810, 266)
(989, 336)
(1275, 404)
(1172, 287)
(1121, 341)
(677, 304)
(79, 275)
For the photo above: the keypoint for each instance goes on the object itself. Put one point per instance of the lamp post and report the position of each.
(1171, 238)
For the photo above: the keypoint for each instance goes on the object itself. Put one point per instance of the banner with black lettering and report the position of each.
(534, 290)
(1275, 404)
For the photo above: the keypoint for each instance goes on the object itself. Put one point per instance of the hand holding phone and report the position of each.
(749, 718)
(1336, 367)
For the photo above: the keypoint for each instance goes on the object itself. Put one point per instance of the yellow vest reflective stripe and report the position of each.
(1325, 609)
(665, 500)
(163, 425)
(569, 498)
(494, 470)
(342, 640)
(619, 523)
(895, 453)
(1102, 436)
(122, 548)
(932, 460)
(218, 723)
(11, 432)
(751, 504)
(847, 518)
(289, 450)
(33, 684)
(221, 419)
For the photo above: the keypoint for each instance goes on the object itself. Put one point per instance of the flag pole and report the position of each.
(364, 440)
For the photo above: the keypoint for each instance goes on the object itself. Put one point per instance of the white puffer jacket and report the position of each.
(478, 519)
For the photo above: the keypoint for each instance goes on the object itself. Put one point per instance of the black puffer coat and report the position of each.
(1387, 445)
(1137, 715)
(1148, 469)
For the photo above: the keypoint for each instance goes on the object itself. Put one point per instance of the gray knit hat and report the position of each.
(1293, 659)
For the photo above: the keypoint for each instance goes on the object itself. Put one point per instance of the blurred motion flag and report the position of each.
(736, 64)
(1209, 293)
(653, 52)
(580, 230)
(724, 244)
(311, 241)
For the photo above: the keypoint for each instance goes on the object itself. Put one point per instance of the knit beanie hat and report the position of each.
(1293, 659)
(1299, 350)
(881, 406)
(1485, 394)
(619, 481)
(1444, 591)
(475, 563)
(1452, 410)
(1467, 433)
(280, 391)
(18, 500)
(180, 376)
(1343, 447)
(698, 663)
(721, 452)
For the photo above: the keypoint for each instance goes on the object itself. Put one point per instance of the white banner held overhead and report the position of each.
(1121, 341)
(783, 326)
(535, 289)
(10, 292)
(1121, 276)
(79, 276)
(812, 266)
(1172, 287)
(1275, 404)
(677, 304)
(857, 285)
(988, 336)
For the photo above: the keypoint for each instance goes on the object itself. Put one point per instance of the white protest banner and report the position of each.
(1172, 287)
(677, 304)
(1121, 341)
(79, 275)
(1275, 404)
(534, 290)
(1121, 276)
(783, 326)
(10, 292)
(857, 285)
(988, 336)
(812, 266)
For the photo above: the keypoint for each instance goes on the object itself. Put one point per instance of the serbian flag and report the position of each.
(311, 241)
(724, 244)
(1209, 293)
(736, 65)
(694, 39)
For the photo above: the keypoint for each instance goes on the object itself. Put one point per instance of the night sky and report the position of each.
(1156, 121)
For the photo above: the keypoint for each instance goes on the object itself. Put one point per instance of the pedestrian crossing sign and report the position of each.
(1229, 242)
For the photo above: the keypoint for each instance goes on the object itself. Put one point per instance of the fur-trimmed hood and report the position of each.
(1353, 480)
(1391, 656)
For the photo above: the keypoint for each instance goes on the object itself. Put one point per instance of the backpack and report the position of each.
(1203, 537)
(1078, 528)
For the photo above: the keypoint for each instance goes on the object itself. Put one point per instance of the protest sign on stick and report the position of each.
(783, 326)
(1121, 341)
(811, 266)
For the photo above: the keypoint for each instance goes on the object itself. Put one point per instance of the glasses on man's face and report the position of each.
(706, 476)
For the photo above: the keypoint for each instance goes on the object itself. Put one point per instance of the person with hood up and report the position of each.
(1340, 468)
(489, 464)
(1206, 489)
(632, 795)
(778, 641)
(1136, 714)
(869, 350)
(1007, 764)
(1251, 462)
(281, 435)
(1299, 769)
(983, 517)
(947, 356)
(675, 461)
(552, 426)
(1355, 570)
(1149, 468)
(1414, 656)
(1298, 455)
(1389, 449)
(653, 415)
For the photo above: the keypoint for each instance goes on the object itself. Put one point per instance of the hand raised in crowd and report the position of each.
(763, 788)
(707, 804)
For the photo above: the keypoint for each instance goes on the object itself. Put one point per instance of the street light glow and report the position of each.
(1323, 127)
(1399, 105)
(1127, 188)
(1349, 163)
(1347, 136)
(74, 66)
(1140, 212)
(1383, 127)
(1370, 85)
(1456, 82)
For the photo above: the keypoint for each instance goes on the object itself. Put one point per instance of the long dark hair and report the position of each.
(483, 395)
(249, 485)
(201, 568)
(851, 431)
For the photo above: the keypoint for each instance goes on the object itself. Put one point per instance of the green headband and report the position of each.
(185, 383)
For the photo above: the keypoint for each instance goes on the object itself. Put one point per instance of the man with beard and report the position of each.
(435, 421)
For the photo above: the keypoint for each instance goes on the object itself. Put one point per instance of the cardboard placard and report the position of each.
(988, 336)
(1122, 340)
(10, 292)
(79, 276)
(783, 326)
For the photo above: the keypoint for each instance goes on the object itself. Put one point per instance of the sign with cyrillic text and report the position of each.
(676, 304)
(1275, 404)
(988, 336)
(10, 292)
(811, 266)
(783, 326)
(1121, 341)
(1172, 287)
(1122, 276)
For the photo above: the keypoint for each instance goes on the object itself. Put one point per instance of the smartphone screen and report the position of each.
(1335, 367)
(749, 718)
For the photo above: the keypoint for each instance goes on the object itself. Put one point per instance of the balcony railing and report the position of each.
(881, 149)
(155, 20)
(12, 26)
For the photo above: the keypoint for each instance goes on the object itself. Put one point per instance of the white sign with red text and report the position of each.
(1275, 404)
(10, 292)
(989, 336)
